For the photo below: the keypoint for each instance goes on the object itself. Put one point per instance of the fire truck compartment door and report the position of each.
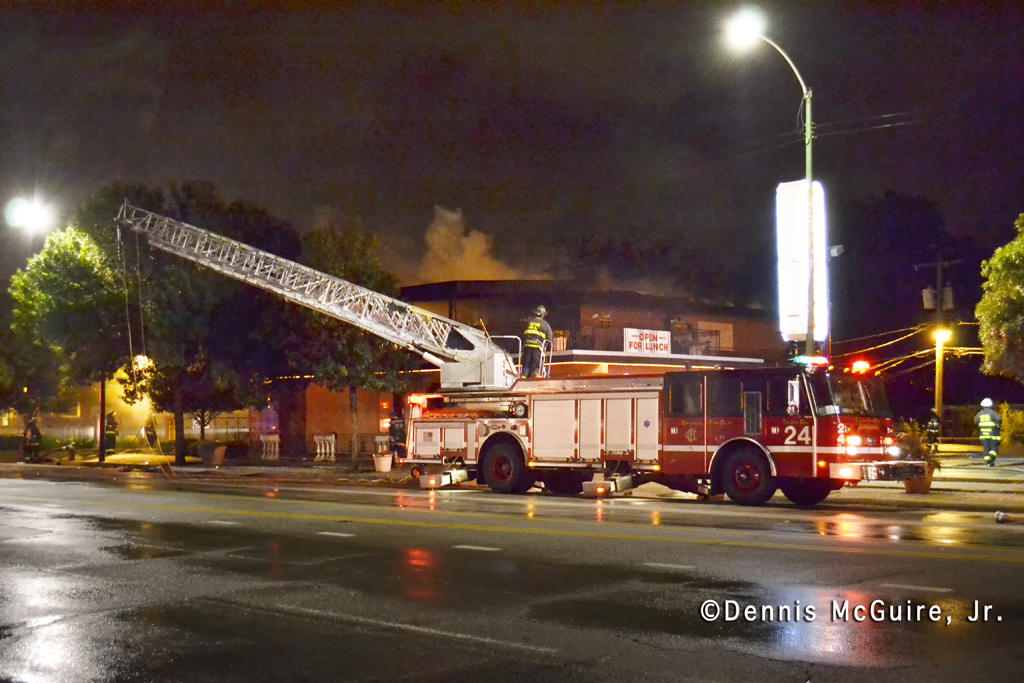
(618, 432)
(428, 441)
(455, 438)
(590, 429)
(553, 433)
(647, 429)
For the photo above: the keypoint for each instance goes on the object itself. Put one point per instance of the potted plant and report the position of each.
(914, 448)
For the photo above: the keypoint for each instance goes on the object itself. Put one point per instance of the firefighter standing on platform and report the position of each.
(988, 422)
(537, 332)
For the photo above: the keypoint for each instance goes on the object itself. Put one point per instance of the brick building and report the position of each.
(590, 325)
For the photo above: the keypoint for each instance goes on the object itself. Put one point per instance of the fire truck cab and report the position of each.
(744, 433)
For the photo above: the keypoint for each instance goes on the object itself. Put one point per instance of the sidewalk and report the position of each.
(960, 484)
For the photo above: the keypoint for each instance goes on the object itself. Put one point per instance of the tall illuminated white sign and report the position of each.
(794, 270)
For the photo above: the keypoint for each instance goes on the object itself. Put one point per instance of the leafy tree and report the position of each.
(204, 331)
(69, 296)
(337, 354)
(30, 371)
(1000, 313)
(68, 301)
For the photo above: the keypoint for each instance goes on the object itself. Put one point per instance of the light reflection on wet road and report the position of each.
(105, 583)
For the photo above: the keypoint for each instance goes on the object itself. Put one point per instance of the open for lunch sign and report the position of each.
(647, 342)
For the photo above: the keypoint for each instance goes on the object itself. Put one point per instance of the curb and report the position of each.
(875, 497)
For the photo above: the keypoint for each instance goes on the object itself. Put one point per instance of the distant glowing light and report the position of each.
(860, 367)
(744, 30)
(942, 336)
(30, 215)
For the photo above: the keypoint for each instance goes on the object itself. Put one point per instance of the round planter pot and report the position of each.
(382, 463)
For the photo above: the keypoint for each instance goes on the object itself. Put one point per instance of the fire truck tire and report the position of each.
(747, 479)
(805, 492)
(504, 470)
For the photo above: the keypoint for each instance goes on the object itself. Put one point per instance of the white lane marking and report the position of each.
(665, 565)
(410, 627)
(907, 586)
(339, 534)
(221, 522)
(478, 547)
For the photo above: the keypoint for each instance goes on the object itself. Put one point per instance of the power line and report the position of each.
(916, 367)
(869, 118)
(879, 346)
(880, 334)
(888, 125)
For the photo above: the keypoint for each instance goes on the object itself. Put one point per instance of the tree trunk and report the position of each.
(180, 447)
(353, 412)
(101, 431)
(202, 428)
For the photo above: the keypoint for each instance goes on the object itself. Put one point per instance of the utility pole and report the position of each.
(941, 335)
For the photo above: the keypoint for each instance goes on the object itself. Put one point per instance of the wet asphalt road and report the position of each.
(163, 582)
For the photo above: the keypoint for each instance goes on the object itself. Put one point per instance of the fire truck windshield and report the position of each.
(849, 395)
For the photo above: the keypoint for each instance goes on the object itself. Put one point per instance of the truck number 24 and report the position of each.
(792, 437)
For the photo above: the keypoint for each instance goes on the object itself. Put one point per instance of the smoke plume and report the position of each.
(455, 253)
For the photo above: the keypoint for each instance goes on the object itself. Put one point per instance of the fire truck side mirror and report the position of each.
(793, 394)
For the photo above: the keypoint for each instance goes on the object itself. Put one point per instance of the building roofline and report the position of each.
(576, 292)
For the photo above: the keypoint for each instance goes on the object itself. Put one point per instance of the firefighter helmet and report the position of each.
(986, 403)
(540, 311)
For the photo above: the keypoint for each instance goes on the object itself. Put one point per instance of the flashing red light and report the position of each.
(811, 360)
(860, 367)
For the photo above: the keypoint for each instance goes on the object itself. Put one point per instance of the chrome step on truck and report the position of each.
(448, 477)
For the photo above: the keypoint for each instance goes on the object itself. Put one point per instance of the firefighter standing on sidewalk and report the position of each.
(31, 439)
(537, 332)
(988, 422)
(932, 432)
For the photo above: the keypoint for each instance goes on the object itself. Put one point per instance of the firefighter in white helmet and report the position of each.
(988, 422)
(537, 332)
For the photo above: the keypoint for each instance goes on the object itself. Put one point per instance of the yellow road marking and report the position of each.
(575, 533)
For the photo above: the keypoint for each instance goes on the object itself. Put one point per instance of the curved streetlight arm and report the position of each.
(803, 86)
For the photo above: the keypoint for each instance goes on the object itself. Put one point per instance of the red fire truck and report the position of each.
(746, 433)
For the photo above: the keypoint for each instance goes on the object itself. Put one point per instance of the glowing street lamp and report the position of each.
(742, 33)
(31, 215)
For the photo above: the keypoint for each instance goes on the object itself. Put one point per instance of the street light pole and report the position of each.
(808, 171)
(942, 336)
(743, 31)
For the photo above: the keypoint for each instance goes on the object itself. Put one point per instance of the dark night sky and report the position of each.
(540, 122)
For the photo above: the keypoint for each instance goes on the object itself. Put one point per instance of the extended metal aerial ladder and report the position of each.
(467, 357)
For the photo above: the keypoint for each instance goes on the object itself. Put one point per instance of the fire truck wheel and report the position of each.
(805, 492)
(504, 469)
(747, 479)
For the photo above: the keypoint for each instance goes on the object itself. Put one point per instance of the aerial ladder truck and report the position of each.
(742, 432)
(467, 357)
